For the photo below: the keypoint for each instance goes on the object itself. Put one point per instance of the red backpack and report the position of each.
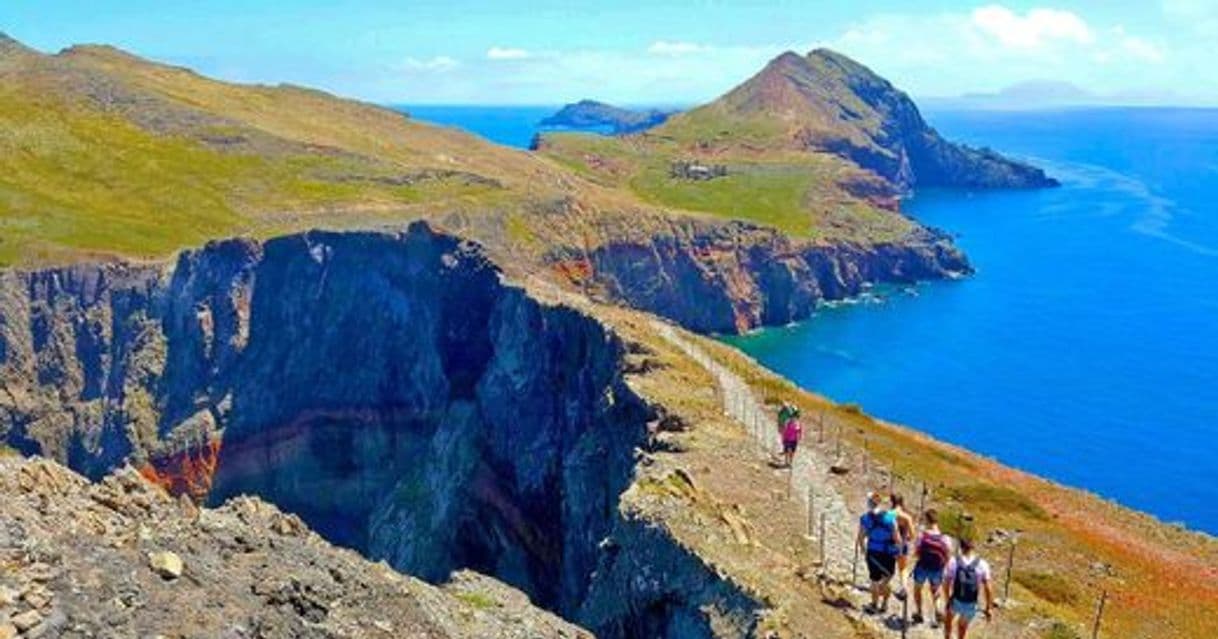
(933, 551)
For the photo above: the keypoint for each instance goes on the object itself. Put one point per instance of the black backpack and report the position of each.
(966, 585)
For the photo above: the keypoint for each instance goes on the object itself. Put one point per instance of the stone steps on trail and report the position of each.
(809, 476)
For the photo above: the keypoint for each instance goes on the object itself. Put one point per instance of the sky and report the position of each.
(654, 52)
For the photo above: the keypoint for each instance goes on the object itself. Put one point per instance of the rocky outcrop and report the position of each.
(121, 558)
(735, 277)
(389, 389)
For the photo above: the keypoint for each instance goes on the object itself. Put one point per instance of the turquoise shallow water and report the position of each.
(1086, 347)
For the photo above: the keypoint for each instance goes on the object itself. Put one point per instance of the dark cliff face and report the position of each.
(735, 277)
(389, 389)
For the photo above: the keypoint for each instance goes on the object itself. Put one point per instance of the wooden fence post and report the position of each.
(854, 567)
(1099, 615)
(811, 509)
(922, 503)
(824, 560)
(1006, 586)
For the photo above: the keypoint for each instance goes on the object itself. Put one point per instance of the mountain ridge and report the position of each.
(830, 102)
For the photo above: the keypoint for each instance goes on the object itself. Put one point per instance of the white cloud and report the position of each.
(1142, 49)
(506, 53)
(1036, 28)
(664, 47)
(437, 63)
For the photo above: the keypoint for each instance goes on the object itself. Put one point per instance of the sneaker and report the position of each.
(900, 594)
(872, 609)
(917, 619)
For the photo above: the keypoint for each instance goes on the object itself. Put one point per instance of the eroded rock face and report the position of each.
(387, 388)
(735, 277)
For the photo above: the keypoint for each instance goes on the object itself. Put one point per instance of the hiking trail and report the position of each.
(810, 470)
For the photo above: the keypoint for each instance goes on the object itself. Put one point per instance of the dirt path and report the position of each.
(809, 478)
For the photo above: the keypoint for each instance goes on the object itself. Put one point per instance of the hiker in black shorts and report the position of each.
(880, 538)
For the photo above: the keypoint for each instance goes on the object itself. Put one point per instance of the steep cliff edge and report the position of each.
(388, 388)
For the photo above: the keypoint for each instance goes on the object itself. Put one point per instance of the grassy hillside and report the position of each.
(817, 145)
(801, 194)
(102, 152)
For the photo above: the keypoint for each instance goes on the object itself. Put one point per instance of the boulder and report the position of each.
(166, 564)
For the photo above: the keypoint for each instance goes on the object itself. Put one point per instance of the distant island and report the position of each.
(590, 114)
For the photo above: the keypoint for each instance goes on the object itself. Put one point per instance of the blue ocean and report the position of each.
(1085, 349)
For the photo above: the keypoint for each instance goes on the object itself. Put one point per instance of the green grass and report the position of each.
(76, 179)
(770, 195)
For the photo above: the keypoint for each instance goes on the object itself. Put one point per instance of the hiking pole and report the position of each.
(854, 567)
(1006, 586)
(1099, 614)
(820, 436)
(904, 616)
(922, 502)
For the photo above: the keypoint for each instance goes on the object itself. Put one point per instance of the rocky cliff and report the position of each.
(389, 389)
(730, 278)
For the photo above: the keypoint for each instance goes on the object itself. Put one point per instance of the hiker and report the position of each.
(966, 576)
(905, 524)
(792, 432)
(785, 413)
(932, 550)
(881, 540)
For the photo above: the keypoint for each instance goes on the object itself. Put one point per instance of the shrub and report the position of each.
(1060, 630)
(853, 409)
(1047, 586)
(999, 498)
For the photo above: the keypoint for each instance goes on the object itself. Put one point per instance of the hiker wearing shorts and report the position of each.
(881, 540)
(792, 432)
(905, 524)
(964, 579)
(931, 554)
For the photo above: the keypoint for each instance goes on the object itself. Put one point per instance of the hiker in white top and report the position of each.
(964, 579)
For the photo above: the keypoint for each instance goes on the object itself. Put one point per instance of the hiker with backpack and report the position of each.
(880, 538)
(931, 552)
(965, 578)
(792, 432)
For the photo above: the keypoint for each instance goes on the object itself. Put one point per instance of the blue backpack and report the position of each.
(881, 532)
